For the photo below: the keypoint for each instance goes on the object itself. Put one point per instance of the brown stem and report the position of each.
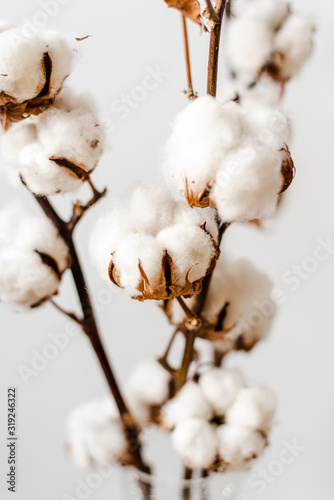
(89, 326)
(70, 315)
(192, 333)
(190, 94)
(214, 50)
(186, 491)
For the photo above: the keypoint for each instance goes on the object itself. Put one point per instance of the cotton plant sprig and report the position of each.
(53, 151)
(231, 162)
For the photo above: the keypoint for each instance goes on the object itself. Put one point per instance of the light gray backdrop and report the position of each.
(129, 41)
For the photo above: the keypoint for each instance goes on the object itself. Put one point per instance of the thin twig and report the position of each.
(79, 210)
(187, 358)
(190, 94)
(163, 360)
(89, 326)
(214, 50)
(70, 315)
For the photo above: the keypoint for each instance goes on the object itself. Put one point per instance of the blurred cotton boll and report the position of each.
(149, 382)
(95, 435)
(33, 258)
(221, 387)
(196, 441)
(239, 445)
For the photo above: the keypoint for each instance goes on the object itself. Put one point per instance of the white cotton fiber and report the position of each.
(95, 435)
(22, 75)
(61, 52)
(254, 407)
(294, 42)
(239, 445)
(202, 133)
(150, 383)
(248, 184)
(196, 441)
(190, 402)
(26, 277)
(221, 387)
(268, 125)
(249, 45)
(27, 150)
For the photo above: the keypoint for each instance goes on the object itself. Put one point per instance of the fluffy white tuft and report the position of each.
(254, 407)
(202, 133)
(150, 383)
(190, 402)
(221, 387)
(26, 280)
(239, 445)
(196, 441)
(294, 44)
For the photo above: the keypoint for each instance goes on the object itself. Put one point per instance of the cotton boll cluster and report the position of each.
(33, 258)
(219, 421)
(95, 435)
(32, 70)
(266, 37)
(56, 151)
(230, 157)
(155, 247)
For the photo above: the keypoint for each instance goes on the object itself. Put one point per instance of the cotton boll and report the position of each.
(190, 402)
(196, 441)
(250, 311)
(201, 135)
(132, 249)
(21, 69)
(95, 435)
(248, 184)
(191, 249)
(74, 135)
(61, 53)
(270, 12)
(5, 25)
(239, 445)
(294, 43)
(254, 407)
(32, 258)
(220, 387)
(150, 382)
(249, 45)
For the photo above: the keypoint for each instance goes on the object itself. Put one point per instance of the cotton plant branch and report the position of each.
(79, 210)
(90, 328)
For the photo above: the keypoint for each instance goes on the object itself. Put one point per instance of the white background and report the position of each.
(297, 359)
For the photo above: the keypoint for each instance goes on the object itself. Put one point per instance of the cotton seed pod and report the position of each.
(161, 257)
(32, 70)
(230, 157)
(33, 258)
(55, 152)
